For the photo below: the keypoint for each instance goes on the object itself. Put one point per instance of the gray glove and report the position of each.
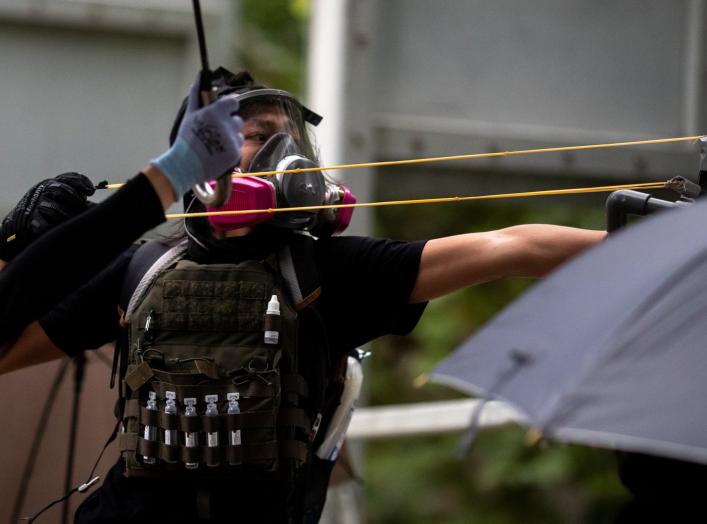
(208, 143)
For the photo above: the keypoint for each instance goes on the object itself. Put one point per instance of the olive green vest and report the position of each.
(198, 331)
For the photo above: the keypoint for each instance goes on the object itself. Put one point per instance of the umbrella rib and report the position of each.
(519, 359)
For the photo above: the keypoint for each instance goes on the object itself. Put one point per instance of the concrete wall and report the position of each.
(463, 76)
(94, 86)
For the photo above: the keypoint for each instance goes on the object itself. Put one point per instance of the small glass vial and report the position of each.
(234, 409)
(150, 432)
(212, 411)
(272, 322)
(170, 408)
(191, 438)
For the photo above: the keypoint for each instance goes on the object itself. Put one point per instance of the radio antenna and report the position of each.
(200, 36)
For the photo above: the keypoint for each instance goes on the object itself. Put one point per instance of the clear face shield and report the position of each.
(267, 112)
(276, 138)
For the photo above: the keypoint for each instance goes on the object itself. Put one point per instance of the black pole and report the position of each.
(200, 36)
(79, 373)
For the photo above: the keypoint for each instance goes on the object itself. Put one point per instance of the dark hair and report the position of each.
(226, 82)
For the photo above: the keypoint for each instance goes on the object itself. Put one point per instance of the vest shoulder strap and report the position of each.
(147, 263)
(299, 271)
(296, 263)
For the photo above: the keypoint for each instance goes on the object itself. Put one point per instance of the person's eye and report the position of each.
(256, 137)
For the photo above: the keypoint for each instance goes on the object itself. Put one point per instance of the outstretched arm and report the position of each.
(531, 250)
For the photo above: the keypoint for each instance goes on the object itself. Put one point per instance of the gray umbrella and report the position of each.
(611, 349)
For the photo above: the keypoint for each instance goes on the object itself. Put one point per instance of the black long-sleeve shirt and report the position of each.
(71, 254)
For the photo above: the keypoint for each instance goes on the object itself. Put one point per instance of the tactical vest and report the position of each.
(199, 330)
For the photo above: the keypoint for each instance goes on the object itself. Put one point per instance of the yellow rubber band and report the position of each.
(473, 156)
(573, 191)
(463, 157)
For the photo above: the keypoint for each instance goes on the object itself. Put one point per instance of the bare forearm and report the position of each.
(532, 250)
(540, 248)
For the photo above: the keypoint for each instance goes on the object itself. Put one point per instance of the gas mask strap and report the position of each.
(186, 225)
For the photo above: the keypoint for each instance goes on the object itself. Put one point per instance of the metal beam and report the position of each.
(427, 418)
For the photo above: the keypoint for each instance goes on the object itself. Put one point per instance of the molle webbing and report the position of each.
(223, 424)
(198, 332)
(233, 455)
(291, 416)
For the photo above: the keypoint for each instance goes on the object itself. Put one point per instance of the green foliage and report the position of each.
(273, 42)
(500, 481)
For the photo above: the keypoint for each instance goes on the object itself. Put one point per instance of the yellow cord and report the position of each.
(472, 156)
(597, 189)
(462, 157)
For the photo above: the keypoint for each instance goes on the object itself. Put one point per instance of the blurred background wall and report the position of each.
(88, 86)
(92, 85)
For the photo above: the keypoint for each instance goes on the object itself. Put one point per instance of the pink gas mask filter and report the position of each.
(246, 193)
(260, 193)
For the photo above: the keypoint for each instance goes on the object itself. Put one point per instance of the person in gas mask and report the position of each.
(234, 342)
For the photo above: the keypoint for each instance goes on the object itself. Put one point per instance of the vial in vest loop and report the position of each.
(150, 431)
(272, 322)
(191, 438)
(212, 437)
(234, 409)
(170, 408)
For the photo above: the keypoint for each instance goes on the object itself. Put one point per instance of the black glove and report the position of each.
(45, 205)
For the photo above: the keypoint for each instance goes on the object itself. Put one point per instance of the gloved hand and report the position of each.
(208, 143)
(45, 205)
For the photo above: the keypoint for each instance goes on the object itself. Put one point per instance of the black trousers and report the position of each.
(135, 500)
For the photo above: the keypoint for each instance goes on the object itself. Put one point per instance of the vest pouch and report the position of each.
(256, 427)
(199, 331)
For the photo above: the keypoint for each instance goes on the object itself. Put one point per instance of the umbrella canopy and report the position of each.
(611, 349)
